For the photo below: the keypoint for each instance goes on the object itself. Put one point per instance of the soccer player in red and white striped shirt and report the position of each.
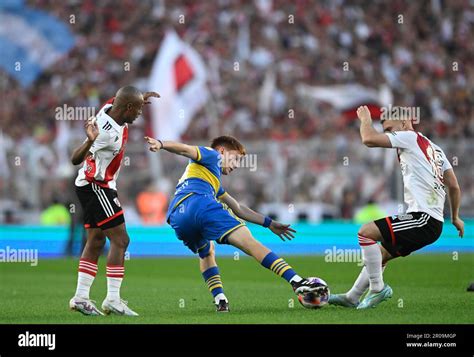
(102, 153)
(427, 175)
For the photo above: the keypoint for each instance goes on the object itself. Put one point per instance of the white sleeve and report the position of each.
(102, 141)
(402, 139)
(446, 163)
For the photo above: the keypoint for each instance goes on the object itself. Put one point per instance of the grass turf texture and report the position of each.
(427, 289)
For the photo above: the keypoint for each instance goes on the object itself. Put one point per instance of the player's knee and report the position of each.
(385, 255)
(208, 254)
(212, 250)
(365, 231)
(98, 243)
(122, 241)
(96, 240)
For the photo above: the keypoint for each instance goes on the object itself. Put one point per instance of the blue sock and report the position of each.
(278, 266)
(213, 280)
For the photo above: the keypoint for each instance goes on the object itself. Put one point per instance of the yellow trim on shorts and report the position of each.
(181, 200)
(202, 247)
(230, 231)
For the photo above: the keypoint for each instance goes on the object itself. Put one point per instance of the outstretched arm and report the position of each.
(174, 147)
(454, 195)
(281, 230)
(92, 131)
(370, 136)
(148, 95)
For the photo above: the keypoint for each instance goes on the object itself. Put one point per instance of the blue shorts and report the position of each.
(200, 219)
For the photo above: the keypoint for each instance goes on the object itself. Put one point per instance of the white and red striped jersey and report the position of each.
(103, 166)
(423, 164)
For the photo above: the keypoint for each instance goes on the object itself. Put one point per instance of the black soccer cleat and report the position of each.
(222, 306)
(306, 286)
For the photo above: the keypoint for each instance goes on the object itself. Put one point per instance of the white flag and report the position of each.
(340, 96)
(179, 75)
(347, 97)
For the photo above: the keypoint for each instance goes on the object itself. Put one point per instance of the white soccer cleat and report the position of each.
(118, 307)
(84, 306)
(373, 299)
(341, 300)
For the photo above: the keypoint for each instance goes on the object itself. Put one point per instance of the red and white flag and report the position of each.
(348, 97)
(179, 76)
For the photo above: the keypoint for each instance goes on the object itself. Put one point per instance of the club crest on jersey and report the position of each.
(117, 202)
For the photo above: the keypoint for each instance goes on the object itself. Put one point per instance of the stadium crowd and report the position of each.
(427, 61)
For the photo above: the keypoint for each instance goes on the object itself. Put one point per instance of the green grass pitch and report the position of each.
(428, 288)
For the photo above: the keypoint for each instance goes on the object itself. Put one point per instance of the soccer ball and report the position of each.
(313, 300)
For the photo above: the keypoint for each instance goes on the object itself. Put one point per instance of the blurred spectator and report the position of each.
(10, 217)
(347, 205)
(426, 61)
(370, 212)
(55, 215)
(152, 205)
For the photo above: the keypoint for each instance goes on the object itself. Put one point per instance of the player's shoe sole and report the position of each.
(117, 308)
(341, 300)
(84, 306)
(319, 290)
(373, 299)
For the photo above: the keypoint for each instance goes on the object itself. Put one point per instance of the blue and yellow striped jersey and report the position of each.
(202, 176)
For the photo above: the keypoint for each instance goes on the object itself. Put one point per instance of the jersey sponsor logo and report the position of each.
(432, 199)
(404, 217)
(181, 186)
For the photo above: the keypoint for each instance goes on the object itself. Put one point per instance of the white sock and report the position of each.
(84, 283)
(114, 281)
(113, 288)
(372, 257)
(360, 286)
(296, 279)
(85, 278)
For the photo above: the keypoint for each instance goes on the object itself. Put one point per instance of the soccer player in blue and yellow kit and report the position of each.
(199, 218)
